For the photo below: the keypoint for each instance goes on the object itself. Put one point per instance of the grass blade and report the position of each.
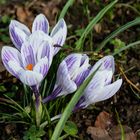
(79, 44)
(119, 30)
(67, 112)
(66, 7)
(134, 44)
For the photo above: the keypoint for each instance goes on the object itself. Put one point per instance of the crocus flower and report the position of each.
(19, 32)
(71, 73)
(100, 87)
(32, 63)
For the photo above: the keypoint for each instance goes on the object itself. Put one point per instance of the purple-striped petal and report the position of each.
(31, 78)
(18, 33)
(27, 54)
(106, 63)
(57, 90)
(11, 54)
(45, 50)
(59, 33)
(37, 38)
(41, 23)
(73, 62)
(63, 79)
(42, 66)
(81, 77)
(109, 90)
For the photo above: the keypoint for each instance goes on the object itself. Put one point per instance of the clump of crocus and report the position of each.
(72, 72)
(20, 32)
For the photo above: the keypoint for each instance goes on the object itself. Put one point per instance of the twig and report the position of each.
(129, 80)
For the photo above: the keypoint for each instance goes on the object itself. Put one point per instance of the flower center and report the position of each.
(29, 67)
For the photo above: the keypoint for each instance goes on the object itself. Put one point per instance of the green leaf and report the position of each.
(68, 110)
(2, 88)
(119, 30)
(66, 7)
(79, 44)
(134, 44)
(71, 128)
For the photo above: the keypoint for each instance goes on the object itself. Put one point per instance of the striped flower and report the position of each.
(32, 62)
(100, 87)
(20, 33)
(71, 73)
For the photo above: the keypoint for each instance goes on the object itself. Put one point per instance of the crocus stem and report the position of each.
(38, 105)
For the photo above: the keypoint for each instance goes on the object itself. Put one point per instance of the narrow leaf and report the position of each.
(65, 9)
(79, 44)
(134, 44)
(119, 30)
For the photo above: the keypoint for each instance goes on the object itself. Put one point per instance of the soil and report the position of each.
(100, 121)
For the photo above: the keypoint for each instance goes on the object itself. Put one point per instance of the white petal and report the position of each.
(18, 37)
(59, 33)
(41, 23)
(63, 79)
(15, 68)
(103, 93)
(37, 38)
(45, 50)
(10, 54)
(28, 54)
(18, 33)
(73, 62)
(106, 63)
(19, 25)
(42, 66)
(31, 78)
(110, 90)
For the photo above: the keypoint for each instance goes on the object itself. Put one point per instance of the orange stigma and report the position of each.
(29, 67)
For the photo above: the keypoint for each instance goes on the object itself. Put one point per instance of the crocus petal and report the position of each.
(10, 54)
(73, 62)
(14, 68)
(18, 33)
(37, 38)
(63, 78)
(31, 78)
(59, 33)
(81, 77)
(84, 64)
(102, 93)
(110, 90)
(41, 23)
(45, 50)
(27, 54)
(42, 66)
(106, 63)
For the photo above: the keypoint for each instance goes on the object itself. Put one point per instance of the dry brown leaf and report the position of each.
(98, 28)
(103, 120)
(115, 133)
(98, 133)
(21, 14)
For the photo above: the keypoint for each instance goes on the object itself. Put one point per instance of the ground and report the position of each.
(104, 120)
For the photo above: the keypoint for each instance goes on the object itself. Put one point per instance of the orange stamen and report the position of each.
(29, 67)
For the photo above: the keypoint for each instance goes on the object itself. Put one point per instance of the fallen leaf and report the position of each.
(98, 28)
(116, 134)
(103, 120)
(98, 133)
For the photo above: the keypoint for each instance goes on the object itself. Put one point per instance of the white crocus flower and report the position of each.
(71, 73)
(100, 87)
(32, 62)
(20, 32)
